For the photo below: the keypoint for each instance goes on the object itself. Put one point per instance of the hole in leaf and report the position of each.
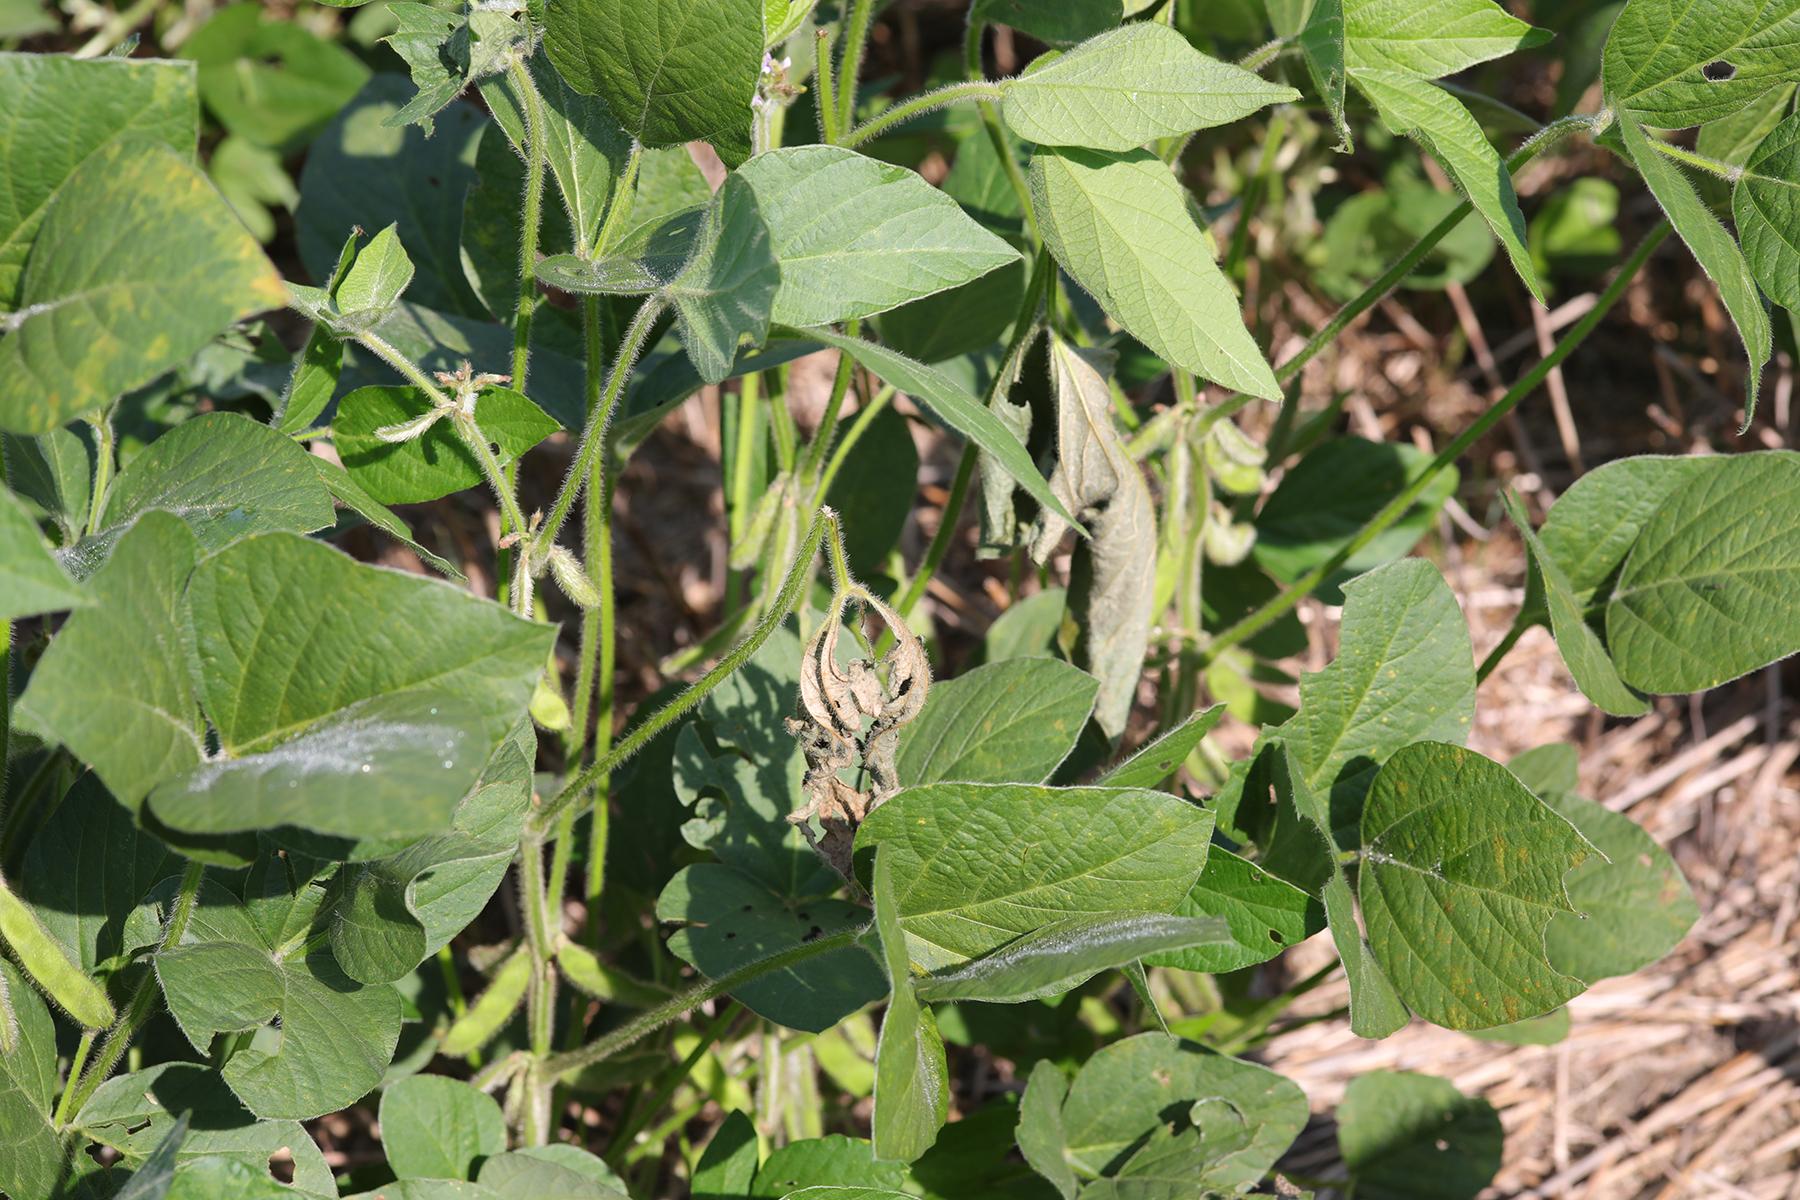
(730, 936)
(281, 1165)
(1275, 936)
(1441, 1144)
(813, 934)
(1719, 72)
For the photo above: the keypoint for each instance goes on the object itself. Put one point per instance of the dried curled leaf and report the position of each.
(853, 716)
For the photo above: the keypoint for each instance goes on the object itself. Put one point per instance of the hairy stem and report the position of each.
(918, 106)
(826, 89)
(856, 40)
(940, 541)
(834, 405)
(103, 468)
(865, 417)
(531, 105)
(990, 120)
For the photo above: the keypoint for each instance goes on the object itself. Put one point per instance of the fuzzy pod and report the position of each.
(492, 1009)
(49, 965)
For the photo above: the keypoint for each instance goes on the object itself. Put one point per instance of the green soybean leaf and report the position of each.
(949, 403)
(1056, 22)
(1433, 38)
(830, 1161)
(1261, 915)
(428, 1189)
(438, 462)
(31, 580)
(912, 1091)
(356, 498)
(377, 277)
(845, 1193)
(134, 1113)
(269, 81)
(1548, 769)
(1436, 120)
(1673, 65)
(1040, 1131)
(115, 686)
(32, 1166)
(227, 476)
(52, 472)
(856, 237)
(50, 964)
(1235, 1118)
(1593, 526)
(1120, 226)
(1634, 904)
(1157, 761)
(93, 323)
(1709, 592)
(1007, 722)
(1130, 86)
(728, 1164)
(335, 1036)
(1462, 871)
(227, 1179)
(1034, 855)
(672, 72)
(426, 680)
(1582, 650)
(1317, 27)
(1415, 1137)
(433, 1127)
(1712, 246)
(554, 1172)
(1405, 672)
(91, 105)
(1066, 954)
(446, 50)
(1547, 1030)
(1028, 630)
(725, 292)
(645, 259)
(1766, 205)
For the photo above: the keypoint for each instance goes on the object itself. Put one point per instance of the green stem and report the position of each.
(840, 387)
(1701, 162)
(1521, 623)
(1401, 504)
(76, 1063)
(143, 998)
(918, 106)
(496, 475)
(1263, 55)
(103, 468)
(856, 40)
(540, 936)
(673, 1078)
(381, 348)
(826, 91)
(798, 572)
(990, 120)
(940, 541)
(865, 417)
(532, 107)
(747, 432)
(594, 437)
(623, 195)
(642, 1026)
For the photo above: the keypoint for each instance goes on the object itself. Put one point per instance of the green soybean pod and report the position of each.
(493, 1008)
(45, 960)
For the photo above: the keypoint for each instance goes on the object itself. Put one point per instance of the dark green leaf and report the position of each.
(1262, 915)
(1040, 1134)
(1066, 954)
(912, 1091)
(830, 1161)
(725, 292)
(1155, 763)
(1673, 64)
(438, 462)
(1058, 22)
(31, 580)
(433, 1127)
(1007, 722)
(1634, 904)
(32, 1166)
(1415, 1137)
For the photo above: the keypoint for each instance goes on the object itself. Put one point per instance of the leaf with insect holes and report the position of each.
(33, 581)
(1674, 63)
(1130, 86)
(672, 72)
(1006, 722)
(856, 237)
(94, 323)
(976, 865)
(1415, 1137)
(726, 291)
(1462, 871)
(1120, 226)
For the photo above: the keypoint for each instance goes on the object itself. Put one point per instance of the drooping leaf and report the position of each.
(726, 291)
(672, 72)
(61, 112)
(1007, 722)
(1056, 22)
(856, 237)
(1462, 871)
(1672, 65)
(1431, 39)
(1317, 26)
(1120, 226)
(438, 462)
(1066, 954)
(93, 322)
(434, 1127)
(115, 687)
(1415, 1137)
(1034, 855)
(31, 1168)
(1130, 86)
(1767, 212)
(31, 580)
(1156, 762)
(356, 498)
(912, 1091)
(1262, 914)
(1713, 247)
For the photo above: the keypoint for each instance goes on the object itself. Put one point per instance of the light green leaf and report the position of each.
(1579, 643)
(833, 1160)
(133, 1113)
(1634, 904)
(94, 322)
(1040, 1132)
(426, 1189)
(1120, 225)
(1055, 22)
(1066, 954)
(335, 1037)
(1007, 722)
(1712, 246)
(1462, 871)
(1711, 589)
(31, 580)
(845, 1193)
(424, 681)
(377, 277)
(1317, 26)
(978, 864)
(728, 1164)
(555, 1172)
(270, 81)
(725, 292)
(446, 50)
(1405, 672)
(356, 498)
(1235, 1119)
(228, 1179)
(1415, 1137)
(643, 260)
(1028, 630)
(1130, 86)
(1437, 121)
(1547, 1030)
(672, 72)
(32, 1166)
(1429, 39)
(91, 104)
(1262, 915)
(438, 462)
(227, 476)
(433, 1127)
(1766, 205)
(115, 687)
(912, 1091)
(856, 237)
(1593, 526)
(1155, 762)
(1673, 63)
(945, 399)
